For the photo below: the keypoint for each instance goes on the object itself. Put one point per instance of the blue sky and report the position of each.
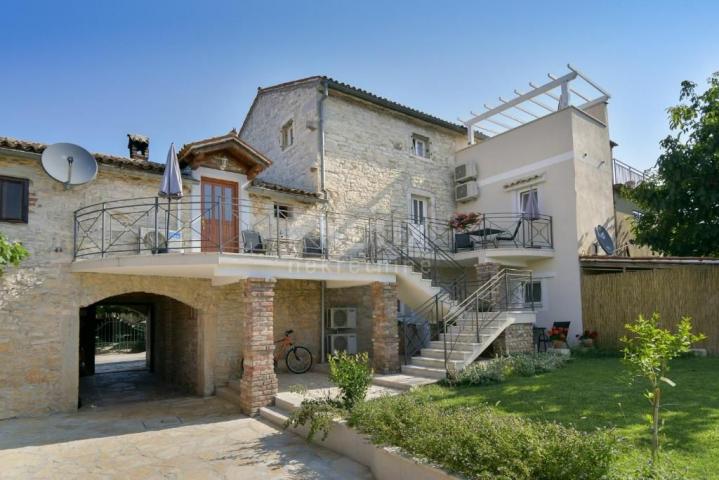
(90, 72)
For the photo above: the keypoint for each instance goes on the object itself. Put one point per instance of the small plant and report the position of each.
(462, 222)
(647, 353)
(11, 253)
(353, 375)
(588, 338)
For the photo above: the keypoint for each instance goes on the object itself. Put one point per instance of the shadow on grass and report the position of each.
(597, 392)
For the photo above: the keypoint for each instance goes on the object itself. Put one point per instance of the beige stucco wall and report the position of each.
(298, 165)
(569, 152)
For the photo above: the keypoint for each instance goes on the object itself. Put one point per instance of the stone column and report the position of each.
(258, 385)
(385, 336)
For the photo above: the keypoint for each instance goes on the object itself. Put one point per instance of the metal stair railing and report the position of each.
(503, 292)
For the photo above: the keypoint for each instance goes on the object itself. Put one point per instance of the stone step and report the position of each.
(458, 346)
(229, 394)
(274, 415)
(437, 363)
(438, 373)
(455, 338)
(400, 381)
(439, 353)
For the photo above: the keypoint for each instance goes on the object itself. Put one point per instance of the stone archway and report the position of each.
(174, 349)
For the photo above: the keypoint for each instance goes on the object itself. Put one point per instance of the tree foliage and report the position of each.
(647, 352)
(11, 253)
(680, 201)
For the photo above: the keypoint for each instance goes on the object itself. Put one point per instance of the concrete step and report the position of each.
(439, 353)
(437, 363)
(274, 415)
(458, 346)
(464, 338)
(228, 394)
(400, 381)
(428, 372)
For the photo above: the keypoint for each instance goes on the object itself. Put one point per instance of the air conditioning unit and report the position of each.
(465, 171)
(149, 243)
(345, 317)
(344, 342)
(465, 192)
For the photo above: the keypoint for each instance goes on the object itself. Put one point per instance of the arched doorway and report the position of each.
(136, 347)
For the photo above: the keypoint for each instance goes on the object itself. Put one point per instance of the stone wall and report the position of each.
(297, 307)
(370, 166)
(297, 165)
(176, 337)
(516, 338)
(385, 335)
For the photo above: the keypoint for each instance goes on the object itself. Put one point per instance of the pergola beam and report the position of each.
(523, 98)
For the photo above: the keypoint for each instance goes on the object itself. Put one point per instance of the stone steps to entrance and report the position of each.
(428, 372)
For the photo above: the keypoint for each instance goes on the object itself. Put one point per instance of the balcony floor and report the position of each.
(226, 268)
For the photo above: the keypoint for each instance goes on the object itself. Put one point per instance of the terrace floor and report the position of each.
(174, 438)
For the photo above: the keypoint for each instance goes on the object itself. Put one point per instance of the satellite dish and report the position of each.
(69, 164)
(604, 239)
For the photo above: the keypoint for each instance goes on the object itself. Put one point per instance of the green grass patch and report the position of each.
(591, 393)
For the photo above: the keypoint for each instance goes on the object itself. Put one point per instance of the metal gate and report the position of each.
(120, 328)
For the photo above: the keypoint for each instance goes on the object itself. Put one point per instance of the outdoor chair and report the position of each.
(312, 247)
(252, 242)
(508, 236)
(541, 339)
(565, 326)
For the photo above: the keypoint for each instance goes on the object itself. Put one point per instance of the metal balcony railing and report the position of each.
(152, 225)
(625, 174)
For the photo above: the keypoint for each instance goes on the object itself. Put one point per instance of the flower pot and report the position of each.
(587, 342)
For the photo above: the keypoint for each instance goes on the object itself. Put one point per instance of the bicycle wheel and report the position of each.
(298, 360)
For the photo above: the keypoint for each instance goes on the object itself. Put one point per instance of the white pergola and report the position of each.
(525, 107)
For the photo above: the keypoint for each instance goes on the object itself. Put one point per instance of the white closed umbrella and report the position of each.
(171, 187)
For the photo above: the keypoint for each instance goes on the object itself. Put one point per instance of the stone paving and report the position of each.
(178, 438)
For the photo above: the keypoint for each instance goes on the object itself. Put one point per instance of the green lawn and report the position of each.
(596, 392)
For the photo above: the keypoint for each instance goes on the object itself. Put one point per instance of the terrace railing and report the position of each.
(625, 174)
(506, 230)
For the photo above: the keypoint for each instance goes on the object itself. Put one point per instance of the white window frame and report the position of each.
(282, 211)
(424, 142)
(521, 193)
(287, 134)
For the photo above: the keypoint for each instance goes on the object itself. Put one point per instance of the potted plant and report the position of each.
(558, 336)
(587, 338)
(462, 222)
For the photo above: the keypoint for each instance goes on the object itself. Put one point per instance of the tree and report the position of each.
(680, 201)
(648, 352)
(11, 253)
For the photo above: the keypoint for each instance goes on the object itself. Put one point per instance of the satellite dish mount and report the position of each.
(69, 164)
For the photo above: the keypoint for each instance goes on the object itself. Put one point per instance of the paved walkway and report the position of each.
(179, 438)
(120, 362)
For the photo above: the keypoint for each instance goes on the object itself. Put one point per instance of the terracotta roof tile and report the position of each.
(124, 162)
(284, 189)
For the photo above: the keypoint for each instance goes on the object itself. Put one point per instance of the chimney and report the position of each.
(139, 146)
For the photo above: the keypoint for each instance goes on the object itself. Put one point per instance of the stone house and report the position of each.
(326, 214)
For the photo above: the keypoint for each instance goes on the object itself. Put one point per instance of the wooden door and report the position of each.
(220, 216)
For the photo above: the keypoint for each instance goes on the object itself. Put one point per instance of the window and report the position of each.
(13, 199)
(282, 211)
(533, 293)
(287, 135)
(529, 203)
(419, 210)
(420, 146)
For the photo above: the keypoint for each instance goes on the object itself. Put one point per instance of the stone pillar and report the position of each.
(385, 335)
(258, 385)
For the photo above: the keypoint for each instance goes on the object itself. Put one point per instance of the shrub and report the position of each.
(482, 443)
(353, 375)
(499, 369)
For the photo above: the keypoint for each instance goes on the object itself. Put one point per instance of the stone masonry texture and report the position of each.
(258, 385)
(385, 335)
